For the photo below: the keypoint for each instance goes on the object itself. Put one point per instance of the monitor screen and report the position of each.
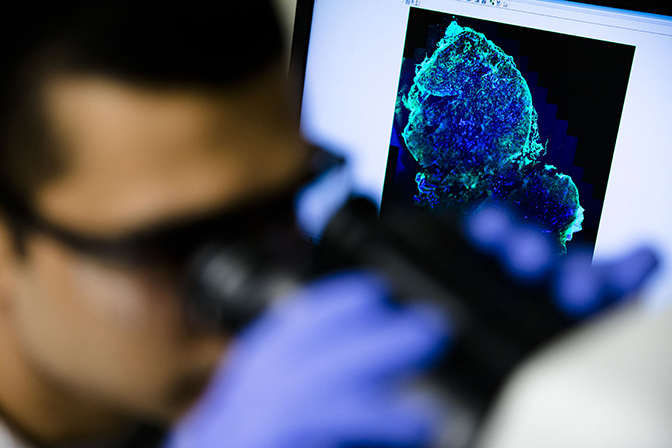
(560, 111)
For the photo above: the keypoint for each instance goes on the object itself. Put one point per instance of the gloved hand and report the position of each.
(579, 287)
(324, 368)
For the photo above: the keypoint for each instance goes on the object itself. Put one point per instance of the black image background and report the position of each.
(578, 86)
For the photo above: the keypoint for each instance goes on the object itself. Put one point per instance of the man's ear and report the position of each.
(8, 264)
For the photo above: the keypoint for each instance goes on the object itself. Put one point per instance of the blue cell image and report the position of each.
(472, 128)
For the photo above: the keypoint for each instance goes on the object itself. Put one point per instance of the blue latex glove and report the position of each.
(324, 368)
(579, 287)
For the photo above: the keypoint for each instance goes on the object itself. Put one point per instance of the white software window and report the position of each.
(601, 103)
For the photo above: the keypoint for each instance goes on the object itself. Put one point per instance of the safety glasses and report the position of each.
(174, 242)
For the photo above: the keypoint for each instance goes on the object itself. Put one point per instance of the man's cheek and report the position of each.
(110, 295)
(126, 302)
(75, 318)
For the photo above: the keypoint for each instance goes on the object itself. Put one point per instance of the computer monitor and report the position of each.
(558, 110)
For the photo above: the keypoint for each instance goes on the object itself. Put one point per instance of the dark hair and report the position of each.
(183, 44)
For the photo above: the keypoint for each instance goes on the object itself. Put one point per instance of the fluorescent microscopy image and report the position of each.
(472, 128)
(488, 111)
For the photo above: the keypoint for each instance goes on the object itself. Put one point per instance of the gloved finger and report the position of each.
(626, 275)
(382, 417)
(346, 311)
(582, 287)
(327, 300)
(524, 251)
(577, 287)
(488, 228)
(400, 342)
(319, 308)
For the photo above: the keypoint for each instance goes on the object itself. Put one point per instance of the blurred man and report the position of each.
(118, 124)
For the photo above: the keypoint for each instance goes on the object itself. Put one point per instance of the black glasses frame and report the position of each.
(171, 242)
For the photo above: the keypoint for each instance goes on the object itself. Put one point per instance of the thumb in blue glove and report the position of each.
(324, 368)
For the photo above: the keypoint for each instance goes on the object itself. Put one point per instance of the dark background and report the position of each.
(653, 6)
(578, 86)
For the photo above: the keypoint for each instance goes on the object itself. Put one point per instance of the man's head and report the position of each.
(120, 121)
